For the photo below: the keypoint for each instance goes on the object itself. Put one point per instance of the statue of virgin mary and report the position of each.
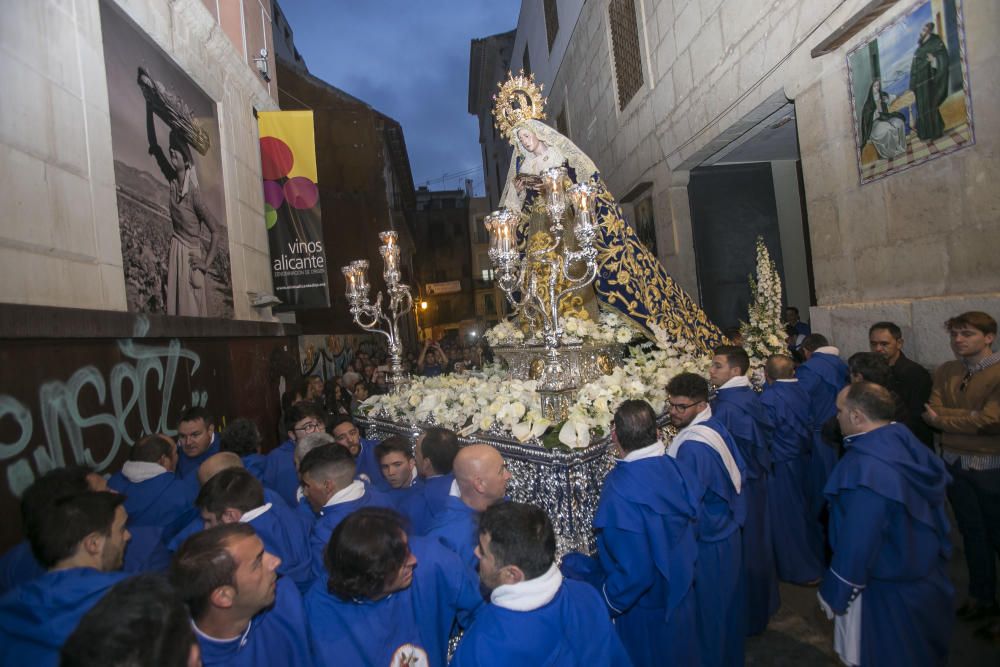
(630, 279)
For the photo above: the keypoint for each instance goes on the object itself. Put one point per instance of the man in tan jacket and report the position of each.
(965, 406)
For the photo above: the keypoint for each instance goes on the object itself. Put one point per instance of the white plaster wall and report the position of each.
(59, 239)
(923, 236)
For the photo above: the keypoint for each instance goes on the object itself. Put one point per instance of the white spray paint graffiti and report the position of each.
(63, 425)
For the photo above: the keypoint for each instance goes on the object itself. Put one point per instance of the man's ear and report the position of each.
(93, 544)
(231, 515)
(223, 597)
(511, 574)
(211, 429)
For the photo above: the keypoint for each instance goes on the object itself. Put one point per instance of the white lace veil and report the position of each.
(577, 159)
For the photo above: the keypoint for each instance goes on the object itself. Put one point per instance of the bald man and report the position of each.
(481, 477)
(212, 466)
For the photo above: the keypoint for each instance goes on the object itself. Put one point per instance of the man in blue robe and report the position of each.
(705, 448)
(236, 496)
(737, 407)
(399, 469)
(888, 581)
(434, 452)
(329, 486)
(145, 552)
(243, 614)
(822, 375)
(535, 617)
(346, 434)
(388, 599)
(647, 544)
(154, 495)
(242, 437)
(196, 440)
(481, 477)
(798, 551)
(280, 471)
(80, 540)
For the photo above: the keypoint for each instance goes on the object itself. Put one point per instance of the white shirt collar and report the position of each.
(254, 513)
(140, 471)
(738, 381)
(454, 490)
(528, 595)
(827, 349)
(352, 491)
(704, 415)
(787, 380)
(647, 452)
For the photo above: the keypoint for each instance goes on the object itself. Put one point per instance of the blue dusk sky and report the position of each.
(409, 59)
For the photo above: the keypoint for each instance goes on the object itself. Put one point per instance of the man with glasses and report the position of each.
(280, 473)
(965, 407)
(706, 448)
(346, 434)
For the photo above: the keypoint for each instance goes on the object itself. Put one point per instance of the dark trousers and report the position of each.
(975, 497)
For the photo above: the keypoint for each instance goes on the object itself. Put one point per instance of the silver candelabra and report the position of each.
(367, 315)
(518, 276)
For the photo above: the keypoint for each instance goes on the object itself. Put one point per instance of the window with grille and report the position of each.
(526, 61)
(551, 21)
(625, 47)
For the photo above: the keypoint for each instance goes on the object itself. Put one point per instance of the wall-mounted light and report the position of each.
(261, 63)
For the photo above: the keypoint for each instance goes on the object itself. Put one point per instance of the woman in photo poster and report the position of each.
(885, 129)
(188, 262)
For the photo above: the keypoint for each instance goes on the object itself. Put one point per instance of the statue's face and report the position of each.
(876, 86)
(528, 139)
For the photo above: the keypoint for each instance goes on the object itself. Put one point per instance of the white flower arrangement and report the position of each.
(764, 333)
(610, 327)
(491, 402)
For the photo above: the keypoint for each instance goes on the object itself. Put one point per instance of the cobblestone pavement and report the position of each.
(800, 635)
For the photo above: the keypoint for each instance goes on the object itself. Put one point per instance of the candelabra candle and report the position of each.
(554, 184)
(582, 196)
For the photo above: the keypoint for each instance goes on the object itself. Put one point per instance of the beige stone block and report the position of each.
(687, 25)
(681, 73)
(980, 197)
(72, 223)
(910, 270)
(973, 261)
(105, 223)
(41, 36)
(49, 280)
(28, 208)
(832, 279)
(113, 287)
(67, 131)
(824, 228)
(930, 341)
(101, 161)
(863, 217)
(923, 201)
(707, 51)
(24, 117)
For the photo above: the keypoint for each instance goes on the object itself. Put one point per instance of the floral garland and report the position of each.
(489, 401)
(764, 334)
(609, 328)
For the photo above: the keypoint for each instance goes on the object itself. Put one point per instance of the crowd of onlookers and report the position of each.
(335, 549)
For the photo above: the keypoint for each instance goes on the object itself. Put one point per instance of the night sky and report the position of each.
(409, 59)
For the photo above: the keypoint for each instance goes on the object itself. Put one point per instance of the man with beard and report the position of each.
(929, 82)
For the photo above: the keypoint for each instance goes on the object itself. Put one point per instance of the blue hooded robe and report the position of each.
(164, 501)
(328, 520)
(889, 532)
(285, 536)
(457, 527)
(798, 549)
(822, 376)
(277, 635)
(746, 419)
(572, 629)
(417, 620)
(720, 595)
(280, 473)
(647, 546)
(38, 617)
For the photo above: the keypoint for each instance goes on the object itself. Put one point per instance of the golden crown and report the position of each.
(519, 99)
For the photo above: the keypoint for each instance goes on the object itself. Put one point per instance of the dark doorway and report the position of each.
(730, 207)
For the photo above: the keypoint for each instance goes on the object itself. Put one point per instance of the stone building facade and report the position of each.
(912, 247)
